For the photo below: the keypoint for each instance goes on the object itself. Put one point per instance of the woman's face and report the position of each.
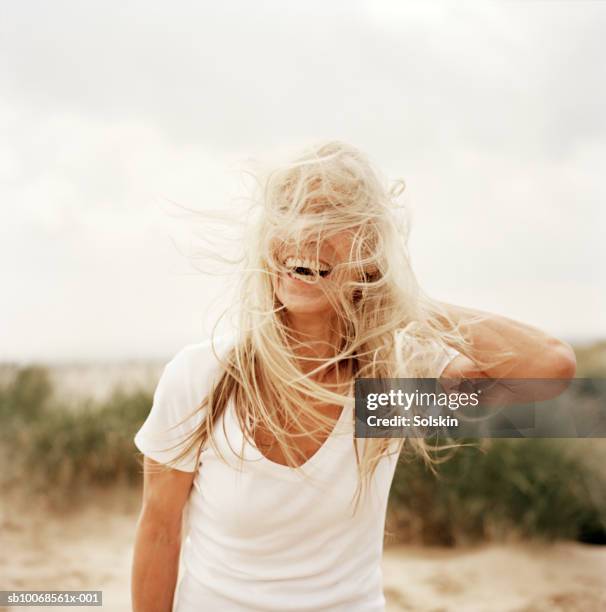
(311, 274)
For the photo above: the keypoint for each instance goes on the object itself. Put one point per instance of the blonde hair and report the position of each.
(386, 326)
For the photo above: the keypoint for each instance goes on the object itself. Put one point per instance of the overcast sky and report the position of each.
(493, 113)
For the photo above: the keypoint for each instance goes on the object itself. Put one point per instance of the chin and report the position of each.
(305, 307)
(299, 304)
(301, 298)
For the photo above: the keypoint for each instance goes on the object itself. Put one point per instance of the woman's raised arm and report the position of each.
(532, 352)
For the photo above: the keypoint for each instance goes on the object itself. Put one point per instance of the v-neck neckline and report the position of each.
(253, 454)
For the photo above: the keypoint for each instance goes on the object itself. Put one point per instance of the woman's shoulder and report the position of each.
(185, 381)
(205, 352)
(193, 368)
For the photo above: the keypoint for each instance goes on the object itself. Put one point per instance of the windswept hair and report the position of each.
(386, 326)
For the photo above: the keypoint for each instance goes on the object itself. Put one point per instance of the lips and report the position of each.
(307, 269)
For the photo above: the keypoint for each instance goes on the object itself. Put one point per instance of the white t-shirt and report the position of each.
(262, 536)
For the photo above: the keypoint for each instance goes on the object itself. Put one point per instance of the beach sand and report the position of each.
(90, 547)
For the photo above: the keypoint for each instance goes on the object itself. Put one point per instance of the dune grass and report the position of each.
(62, 450)
(502, 488)
(495, 488)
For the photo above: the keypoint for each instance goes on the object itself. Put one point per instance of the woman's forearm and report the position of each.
(155, 565)
(533, 353)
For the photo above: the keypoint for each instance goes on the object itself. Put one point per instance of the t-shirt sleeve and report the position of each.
(448, 354)
(175, 411)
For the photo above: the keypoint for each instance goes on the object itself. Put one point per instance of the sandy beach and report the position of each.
(90, 547)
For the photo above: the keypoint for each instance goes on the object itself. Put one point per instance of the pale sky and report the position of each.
(493, 113)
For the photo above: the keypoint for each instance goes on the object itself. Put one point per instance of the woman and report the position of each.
(253, 434)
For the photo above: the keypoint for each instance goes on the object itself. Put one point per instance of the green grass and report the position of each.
(499, 488)
(61, 450)
(530, 487)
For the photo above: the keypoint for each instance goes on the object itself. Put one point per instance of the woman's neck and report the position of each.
(315, 339)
